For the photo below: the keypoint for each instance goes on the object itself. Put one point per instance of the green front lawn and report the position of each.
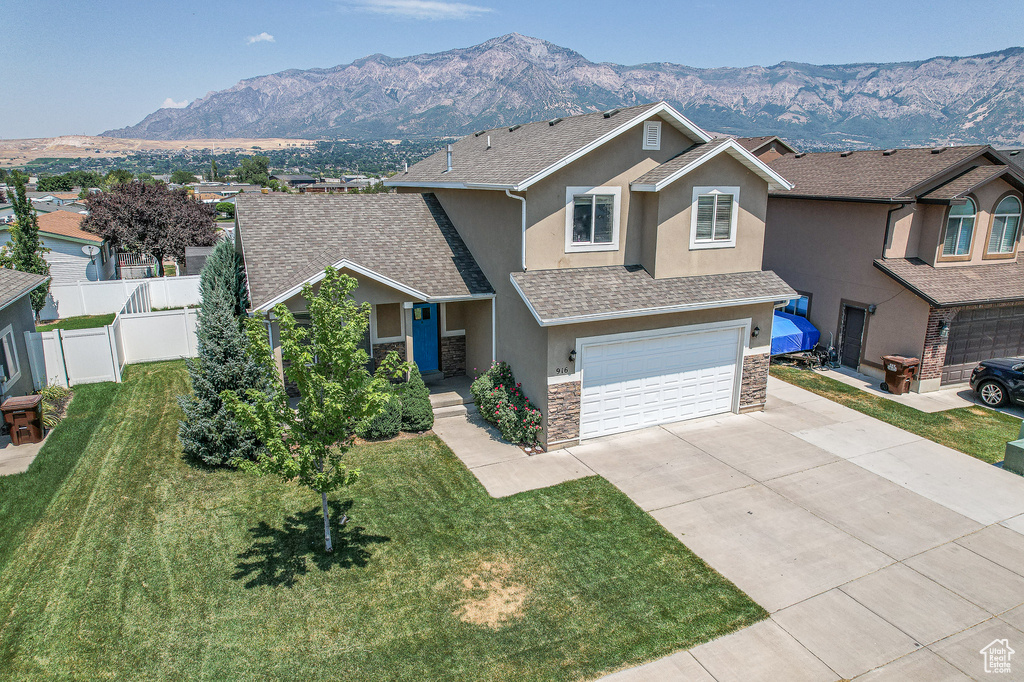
(977, 431)
(80, 322)
(142, 566)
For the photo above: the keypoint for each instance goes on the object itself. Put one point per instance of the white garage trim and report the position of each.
(741, 328)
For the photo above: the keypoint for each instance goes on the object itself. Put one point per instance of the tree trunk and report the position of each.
(327, 524)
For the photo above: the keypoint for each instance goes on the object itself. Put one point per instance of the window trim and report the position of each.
(1012, 253)
(374, 339)
(11, 351)
(942, 257)
(799, 295)
(712, 243)
(648, 126)
(570, 193)
(445, 332)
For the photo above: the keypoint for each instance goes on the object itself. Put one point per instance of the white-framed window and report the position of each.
(387, 323)
(9, 364)
(652, 135)
(592, 218)
(798, 306)
(1005, 226)
(959, 230)
(713, 215)
(453, 319)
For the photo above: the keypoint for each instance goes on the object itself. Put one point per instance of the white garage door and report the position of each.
(635, 383)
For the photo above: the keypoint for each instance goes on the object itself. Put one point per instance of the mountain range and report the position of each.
(515, 78)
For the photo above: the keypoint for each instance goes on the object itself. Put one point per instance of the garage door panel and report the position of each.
(981, 334)
(643, 382)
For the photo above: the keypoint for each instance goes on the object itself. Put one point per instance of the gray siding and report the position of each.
(19, 316)
(69, 264)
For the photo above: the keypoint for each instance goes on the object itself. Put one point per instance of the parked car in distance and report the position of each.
(999, 381)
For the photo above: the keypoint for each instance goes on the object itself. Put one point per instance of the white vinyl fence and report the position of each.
(138, 334)
(103, 298)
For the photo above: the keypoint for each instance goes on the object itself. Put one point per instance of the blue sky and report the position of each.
(84, 67)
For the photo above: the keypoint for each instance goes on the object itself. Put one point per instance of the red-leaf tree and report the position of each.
(150, 218)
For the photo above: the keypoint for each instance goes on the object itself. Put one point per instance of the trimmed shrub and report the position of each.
(385, 424)
(501, 402)
(417, 413)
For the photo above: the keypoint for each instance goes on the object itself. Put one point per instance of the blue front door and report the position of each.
(424, 336)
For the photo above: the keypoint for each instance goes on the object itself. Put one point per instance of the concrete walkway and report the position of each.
(877, 553)
(16, 459)
(503, 469)
(934, 401)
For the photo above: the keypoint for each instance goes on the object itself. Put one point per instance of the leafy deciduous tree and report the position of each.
(210, 432)
(150, 218)
(25, 251)
(254, 170)
(119, 176)
(226, 207)
(54, 183)
(182, 177)
(328, 364)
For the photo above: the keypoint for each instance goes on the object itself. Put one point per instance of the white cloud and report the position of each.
(422, 9)
(261, 38)
(169, 103)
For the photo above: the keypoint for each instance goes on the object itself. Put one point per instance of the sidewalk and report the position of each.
(16, 459)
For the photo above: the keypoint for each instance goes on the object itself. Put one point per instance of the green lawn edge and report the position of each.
(975, 431)
(148, 567)
(80, 322)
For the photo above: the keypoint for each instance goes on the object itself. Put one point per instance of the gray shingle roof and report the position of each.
(963, 184)
(408, 238)
(691, 155)
(958, 285)
(752, 144)
(517, 153)
(577, 294)
(870, 175)
(14, 284)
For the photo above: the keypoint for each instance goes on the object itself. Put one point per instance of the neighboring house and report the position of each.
(61, 232)
(767, 148)
(16, 318)
(910, 252)
(296, 181)
(613, 259)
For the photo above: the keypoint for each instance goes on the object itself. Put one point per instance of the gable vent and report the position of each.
(652, 135)
(846, 153)
(888, 152)
(611, 112)
(554, 121)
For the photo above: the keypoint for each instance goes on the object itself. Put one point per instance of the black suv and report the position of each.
(999, 381)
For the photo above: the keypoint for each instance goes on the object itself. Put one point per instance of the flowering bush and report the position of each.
(501, 401)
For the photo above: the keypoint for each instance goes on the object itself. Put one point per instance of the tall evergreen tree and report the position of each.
(25, 252)
(210, 433)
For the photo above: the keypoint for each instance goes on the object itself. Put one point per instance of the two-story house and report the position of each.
(613, 259)
(910, 252)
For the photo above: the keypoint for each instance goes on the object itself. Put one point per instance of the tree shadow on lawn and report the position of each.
(278, 556)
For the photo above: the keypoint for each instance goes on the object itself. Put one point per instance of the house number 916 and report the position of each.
(561, 370)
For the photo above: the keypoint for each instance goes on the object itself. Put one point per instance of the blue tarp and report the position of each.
(791, 333)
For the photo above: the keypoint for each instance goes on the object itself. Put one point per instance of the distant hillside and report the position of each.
(515, 78)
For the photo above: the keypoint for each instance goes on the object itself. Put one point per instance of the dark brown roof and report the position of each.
(752, 144)
(868, 175)
(958, 285)
(407, 238)
(578, 294)
(964, 184)
(14, 284)
(517, 153)
(694, 153)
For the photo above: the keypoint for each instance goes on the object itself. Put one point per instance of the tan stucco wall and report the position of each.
(562, 338)
(478, 336)
(827, 249)
(616, 163)
(673, 255)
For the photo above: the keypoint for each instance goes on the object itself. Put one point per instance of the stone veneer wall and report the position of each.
(754, 385)
(563, 411)
(381, 350)
(453, 355)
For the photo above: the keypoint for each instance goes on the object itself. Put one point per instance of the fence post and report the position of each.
(81, 297)
(58, 345)
(113, 353)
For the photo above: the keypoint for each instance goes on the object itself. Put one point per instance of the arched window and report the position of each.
(959, 230)
(1005, 226)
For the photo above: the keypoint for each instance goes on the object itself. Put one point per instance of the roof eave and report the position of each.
(24, 291)
(754, 164)
(836, 197)
(641, 312)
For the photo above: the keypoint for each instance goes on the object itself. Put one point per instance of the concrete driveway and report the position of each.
(877, 553)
